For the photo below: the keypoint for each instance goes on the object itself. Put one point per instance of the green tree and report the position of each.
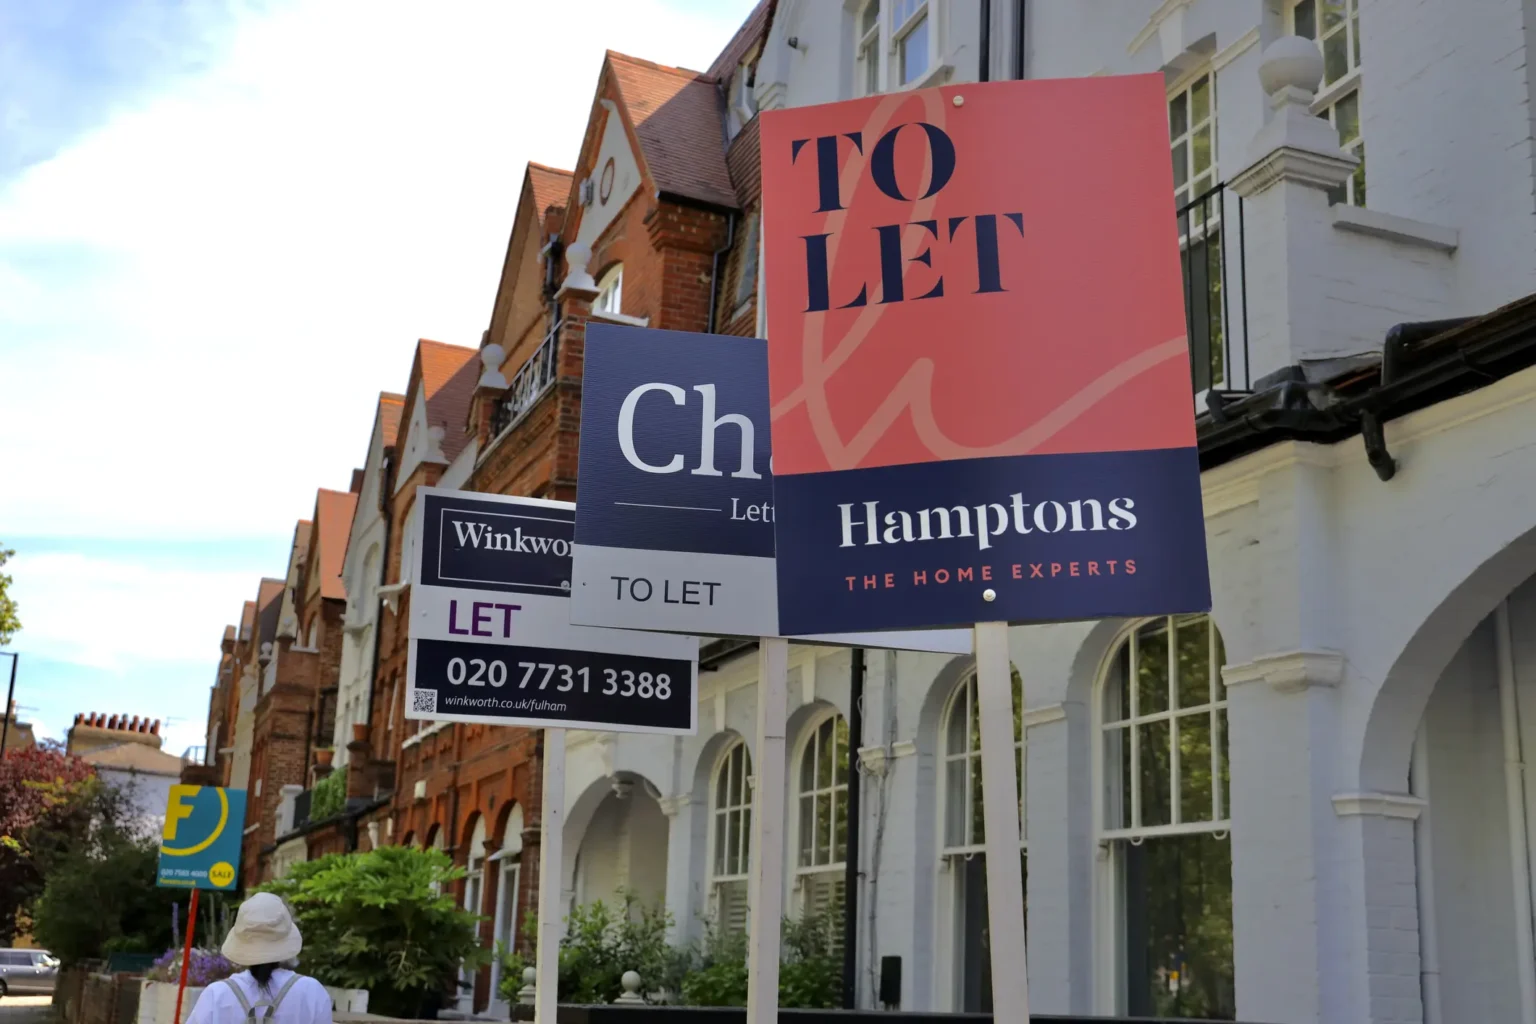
(384, 921)
(10, 623)
(101, 898)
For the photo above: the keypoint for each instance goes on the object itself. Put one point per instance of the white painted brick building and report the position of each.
(1322, 815)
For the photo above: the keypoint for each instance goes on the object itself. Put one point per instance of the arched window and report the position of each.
(1162, 727)
(731, 839)
(510, 860)
(821, 796)
(610, 290)
(964, 838)
(474, 890)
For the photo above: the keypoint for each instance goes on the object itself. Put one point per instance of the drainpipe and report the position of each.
(1424, 857)
(714, 267)
(1020, 36)
(385, 492)
(984, 58)
(1514, 791)
(851, 855)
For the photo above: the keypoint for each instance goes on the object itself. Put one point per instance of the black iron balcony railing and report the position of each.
(1214, 258)
(535, 377)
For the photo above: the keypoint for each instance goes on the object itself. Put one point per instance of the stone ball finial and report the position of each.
(1291, 62)
(491, 357)
(631, 993)
(577, 256)
(529, 975)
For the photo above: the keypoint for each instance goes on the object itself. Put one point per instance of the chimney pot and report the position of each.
(155, 729)
(135, 726)
(79, 718)
(112, 722)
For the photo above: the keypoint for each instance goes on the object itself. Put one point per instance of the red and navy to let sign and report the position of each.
(978, 363)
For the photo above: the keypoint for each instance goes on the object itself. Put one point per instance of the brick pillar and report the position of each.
(359, 766)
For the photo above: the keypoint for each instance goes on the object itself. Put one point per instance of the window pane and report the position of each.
(978, 818)
(1335, 57)
(808, 767)
(1306, 20)
(721, 841)
(1195, 802)
(733, 848)
(1347, 118)
(1155, 774)
(1152, 672)
(807, 830)
(1225, 774)
(1200, 100)
(1178, 928)
(1333, 15)
(1018, 704)
(905, 9)
(1193, 637)
(1202, 144)
(914, 53)
(839, 829)
(1123, 755)
(954, 802)
(871, 70)
(870, 17)
(1359, 177)
(959, 710)
(1221, 660)
(1354, 32)
(1116, 692)
(824, 755)
(824, 828)
(1180, 164)
(1178, 116)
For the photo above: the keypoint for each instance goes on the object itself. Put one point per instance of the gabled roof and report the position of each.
(391, 407)
(752, 29)
(448, 377)
(333, 519)
(551, 186)
(268, 604)
(678, 119)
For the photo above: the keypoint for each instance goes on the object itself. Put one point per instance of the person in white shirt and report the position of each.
(263, 938)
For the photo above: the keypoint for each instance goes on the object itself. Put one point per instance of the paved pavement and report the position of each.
(25, 1009)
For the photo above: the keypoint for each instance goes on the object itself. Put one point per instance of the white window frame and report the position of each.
(508, 861)
(836, 868)
(1201, 221)
(610, 290)
(1347, 86)
(1110, 996)
(948, 963)
(737, 878)
(884, 42)
(474, 896)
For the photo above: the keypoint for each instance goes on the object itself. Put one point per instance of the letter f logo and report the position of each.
(178, 808)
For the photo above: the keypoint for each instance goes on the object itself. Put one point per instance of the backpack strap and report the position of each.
(245, 1004)
(278, 1001)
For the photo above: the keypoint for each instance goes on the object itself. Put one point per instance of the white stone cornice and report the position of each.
(1379, 805)
(672, 805)
(1236, 483)
(1289, 671)
(1289, 163)
(1044, 715)
(903, 748)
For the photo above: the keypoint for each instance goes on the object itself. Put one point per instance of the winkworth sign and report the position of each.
(980, 384)
(674, 529)
(491, 634)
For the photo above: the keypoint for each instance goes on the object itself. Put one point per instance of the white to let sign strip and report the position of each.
(675, 525)
(491, 640)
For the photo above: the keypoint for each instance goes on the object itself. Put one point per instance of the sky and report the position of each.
(223, 226)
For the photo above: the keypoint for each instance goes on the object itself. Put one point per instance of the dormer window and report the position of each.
(610, 290)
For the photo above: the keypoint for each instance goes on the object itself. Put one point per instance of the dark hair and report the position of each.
(263, 973)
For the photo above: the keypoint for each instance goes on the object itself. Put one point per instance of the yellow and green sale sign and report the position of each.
(200, 845)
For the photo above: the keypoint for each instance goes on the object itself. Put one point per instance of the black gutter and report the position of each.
(1423, 364)
(714, 269)
(851, 855)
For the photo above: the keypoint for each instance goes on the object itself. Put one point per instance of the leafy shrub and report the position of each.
(329, 796)
(383, 921)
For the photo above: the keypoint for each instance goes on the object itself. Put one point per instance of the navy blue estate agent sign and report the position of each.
(491, 633)
(674, 529)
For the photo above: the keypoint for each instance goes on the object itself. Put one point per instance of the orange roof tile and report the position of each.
(333, 513)
(551, 186)
(448, 375)
(679, 121)
(391, 406)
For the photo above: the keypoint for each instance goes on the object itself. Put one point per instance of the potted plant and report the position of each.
(157, 996)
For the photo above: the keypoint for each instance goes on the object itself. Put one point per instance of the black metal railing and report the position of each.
(535, 377)
(1213, 256)
(301, 808)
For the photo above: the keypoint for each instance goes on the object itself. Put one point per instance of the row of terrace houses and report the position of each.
(1308, 806)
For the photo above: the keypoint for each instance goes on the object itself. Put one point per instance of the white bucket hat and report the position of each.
(264, 933)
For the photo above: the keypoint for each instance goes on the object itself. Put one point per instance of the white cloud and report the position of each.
(200, 300)
(112, 614)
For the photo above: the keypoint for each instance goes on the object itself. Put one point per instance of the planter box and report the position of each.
(157, 1001)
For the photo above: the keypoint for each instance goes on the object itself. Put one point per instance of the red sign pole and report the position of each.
(186, 955)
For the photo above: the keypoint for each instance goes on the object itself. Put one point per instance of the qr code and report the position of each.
(424, 701)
